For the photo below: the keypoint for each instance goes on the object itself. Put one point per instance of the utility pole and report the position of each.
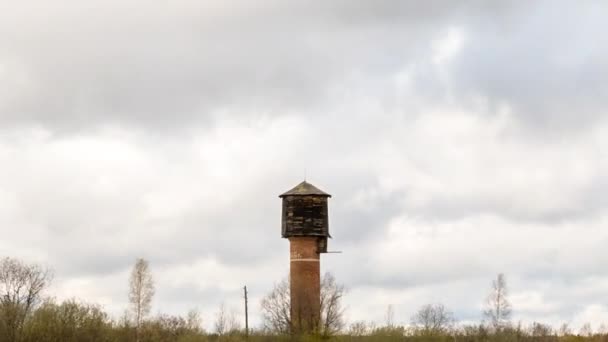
(246, 314)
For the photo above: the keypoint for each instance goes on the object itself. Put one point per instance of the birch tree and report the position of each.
(389, 318)
(141, 292)
(497, 307)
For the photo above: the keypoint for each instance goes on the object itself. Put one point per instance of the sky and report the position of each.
(459, 140)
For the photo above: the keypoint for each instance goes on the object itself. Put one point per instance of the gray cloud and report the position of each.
(547, 62)
(81, 65)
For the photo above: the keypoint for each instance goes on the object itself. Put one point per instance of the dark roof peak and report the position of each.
(305, 189)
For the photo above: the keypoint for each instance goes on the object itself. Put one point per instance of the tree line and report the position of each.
(27, 315)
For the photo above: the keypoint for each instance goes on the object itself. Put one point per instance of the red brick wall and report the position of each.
(305, 283)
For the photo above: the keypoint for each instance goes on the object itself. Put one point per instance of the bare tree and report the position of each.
(389, 319)
(276, 307)
(221, 321)
(540, 330)
(194, 321)
(358, 328)
(564, 330)
(21, 287)
(332, 313)
(225, 322)
(586, 330)
(220, 324)
(498, 308)
(433, 319)
(141, 292)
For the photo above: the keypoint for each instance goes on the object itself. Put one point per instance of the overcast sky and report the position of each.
(458, 141)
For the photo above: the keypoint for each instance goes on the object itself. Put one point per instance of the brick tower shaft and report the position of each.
(305, 222)
(305, 282)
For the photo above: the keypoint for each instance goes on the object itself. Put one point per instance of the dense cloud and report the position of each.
(458, 140)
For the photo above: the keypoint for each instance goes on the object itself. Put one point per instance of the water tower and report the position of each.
(305, 223)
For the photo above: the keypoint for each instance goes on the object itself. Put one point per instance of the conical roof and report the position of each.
(305, 189)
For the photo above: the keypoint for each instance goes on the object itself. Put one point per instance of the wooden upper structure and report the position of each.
(305, 212)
